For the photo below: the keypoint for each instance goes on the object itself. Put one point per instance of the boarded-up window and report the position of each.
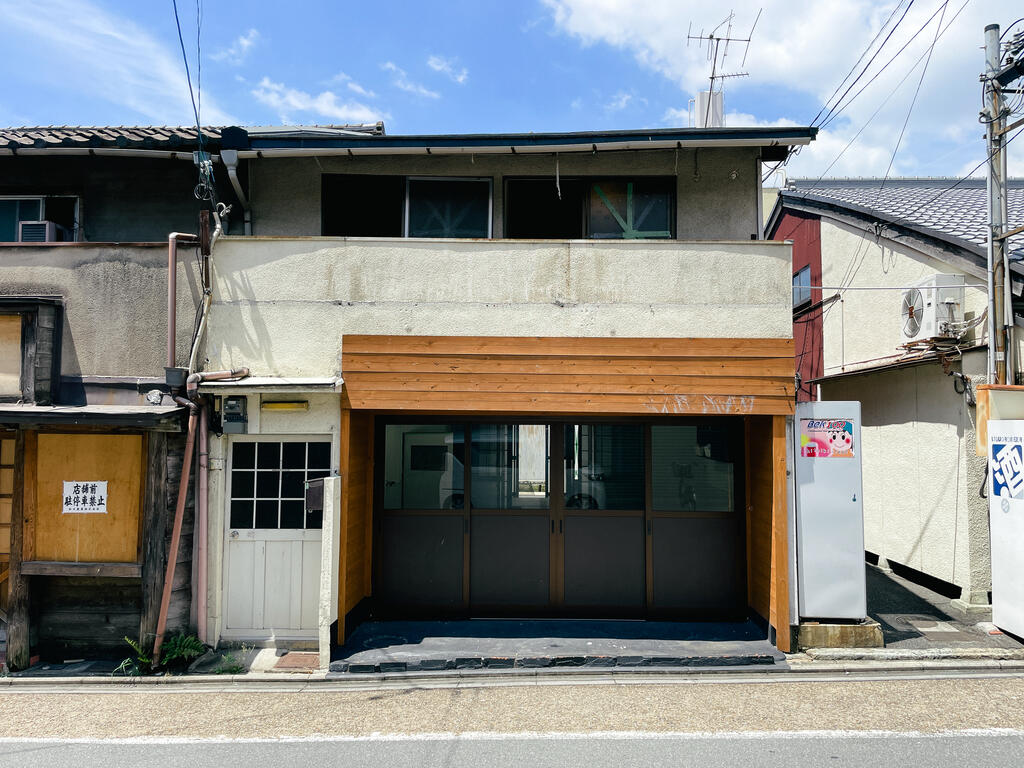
(10, 355)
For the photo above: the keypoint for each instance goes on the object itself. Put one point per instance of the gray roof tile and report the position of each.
(929, 205)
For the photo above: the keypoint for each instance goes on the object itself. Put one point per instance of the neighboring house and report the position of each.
(868, 242)
(552, 371)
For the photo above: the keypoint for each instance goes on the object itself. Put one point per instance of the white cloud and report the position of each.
(806, 47)
(402, 82)
(353, 86)
(326, 104)
(619, 101)
(82, 46)
(238, 50)
(448, 67)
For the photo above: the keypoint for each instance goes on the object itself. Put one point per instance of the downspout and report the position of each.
(172, 287)
(230, 159)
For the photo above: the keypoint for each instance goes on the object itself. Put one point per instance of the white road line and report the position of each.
(535, 736)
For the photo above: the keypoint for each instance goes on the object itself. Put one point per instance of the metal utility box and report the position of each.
(829, 511)
(315, 495)
(234, 416)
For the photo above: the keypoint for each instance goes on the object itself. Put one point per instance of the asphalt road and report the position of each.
(641, 750)
(564, 722)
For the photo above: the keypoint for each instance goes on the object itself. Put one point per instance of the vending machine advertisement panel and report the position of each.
(829, 511)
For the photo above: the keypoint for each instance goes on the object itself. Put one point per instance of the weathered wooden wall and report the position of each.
(179, 612)
(92, 538)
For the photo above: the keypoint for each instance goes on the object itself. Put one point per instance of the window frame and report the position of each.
(40, 372)
(76, 227)
(229, 461)
(489, 180)
(806, 269)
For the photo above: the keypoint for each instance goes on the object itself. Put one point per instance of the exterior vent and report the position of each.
(41, 232)
(933, 308)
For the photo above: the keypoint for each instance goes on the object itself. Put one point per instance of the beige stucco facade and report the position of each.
(115, 302)
(865, 326)
(281, 306)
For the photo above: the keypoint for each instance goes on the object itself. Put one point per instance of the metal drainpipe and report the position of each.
(172, 288)
(230, 159)
(179, 514)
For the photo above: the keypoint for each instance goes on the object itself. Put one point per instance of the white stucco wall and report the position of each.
(281, 306)
(921, 475)
(866, 324)
(716, 188)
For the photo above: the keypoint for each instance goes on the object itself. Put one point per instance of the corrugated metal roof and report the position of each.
(928, 205)
(151, 137)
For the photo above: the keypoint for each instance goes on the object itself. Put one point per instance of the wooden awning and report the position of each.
(552, 375)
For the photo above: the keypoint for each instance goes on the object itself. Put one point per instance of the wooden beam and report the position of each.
(154, 522)
(566, 346)
(31, 492)
(780, 538)
(18, 651)
(60, 568)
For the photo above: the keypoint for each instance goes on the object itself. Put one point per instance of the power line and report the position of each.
(867, 66)
(913, 101)
(859, 60)
(188, 76)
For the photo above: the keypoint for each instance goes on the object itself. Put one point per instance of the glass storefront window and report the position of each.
(604, 466)
(424, 466)
(510, 466)
(693, 469)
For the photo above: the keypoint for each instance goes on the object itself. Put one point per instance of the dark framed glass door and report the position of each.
(496, 518)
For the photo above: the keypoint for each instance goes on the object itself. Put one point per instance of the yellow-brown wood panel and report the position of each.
(759, 514)
(112, 537)
(780, 536)
(612, 376)
(356, 482)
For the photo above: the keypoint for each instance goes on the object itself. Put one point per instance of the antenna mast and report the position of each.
(719, 44)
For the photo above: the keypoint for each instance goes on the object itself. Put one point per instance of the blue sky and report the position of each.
(485, 66)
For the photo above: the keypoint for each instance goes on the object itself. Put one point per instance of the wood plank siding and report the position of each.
(356, 468)
(613, 376)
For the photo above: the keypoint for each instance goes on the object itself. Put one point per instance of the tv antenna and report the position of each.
(718, 52)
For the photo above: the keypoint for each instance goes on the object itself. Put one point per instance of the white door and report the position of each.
(272, 544)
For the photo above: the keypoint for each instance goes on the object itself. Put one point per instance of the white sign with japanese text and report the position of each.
(85, 497)
(1006, 522)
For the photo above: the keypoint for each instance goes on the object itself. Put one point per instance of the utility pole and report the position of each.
(1001, 367)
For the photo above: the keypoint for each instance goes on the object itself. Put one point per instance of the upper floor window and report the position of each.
(598, 208)
(38, 219)
(802, 286)
(357, 205)
(30, 333)
(10, 356)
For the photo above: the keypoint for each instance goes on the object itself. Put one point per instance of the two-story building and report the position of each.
(552, 372)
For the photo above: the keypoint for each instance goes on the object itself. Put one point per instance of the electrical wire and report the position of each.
(188, 76)
(859, 60)
(913, 101)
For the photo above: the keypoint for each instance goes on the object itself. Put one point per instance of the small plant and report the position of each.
(231, 665)
(180, 650)
(134, 666)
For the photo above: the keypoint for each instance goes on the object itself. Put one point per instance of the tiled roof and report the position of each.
(958, 215)
(139, 137)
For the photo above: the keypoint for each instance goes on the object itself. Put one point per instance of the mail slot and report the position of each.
(315, 495)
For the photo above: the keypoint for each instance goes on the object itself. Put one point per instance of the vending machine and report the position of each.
(829, 511)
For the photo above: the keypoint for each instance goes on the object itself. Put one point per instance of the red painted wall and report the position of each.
(805, 232)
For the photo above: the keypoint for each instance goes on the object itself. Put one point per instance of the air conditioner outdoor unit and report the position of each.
(42, 232)
(932, 308)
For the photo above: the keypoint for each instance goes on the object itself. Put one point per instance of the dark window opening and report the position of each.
(449, 208)
(356, 205)
(536, 211)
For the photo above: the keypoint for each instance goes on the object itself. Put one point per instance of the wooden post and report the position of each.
(154, 522)
(344, 467)
(18, 626)
(779, 609)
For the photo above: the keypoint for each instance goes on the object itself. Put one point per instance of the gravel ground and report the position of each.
(902, 705)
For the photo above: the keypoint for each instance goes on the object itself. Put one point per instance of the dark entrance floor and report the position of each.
(396, 646)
